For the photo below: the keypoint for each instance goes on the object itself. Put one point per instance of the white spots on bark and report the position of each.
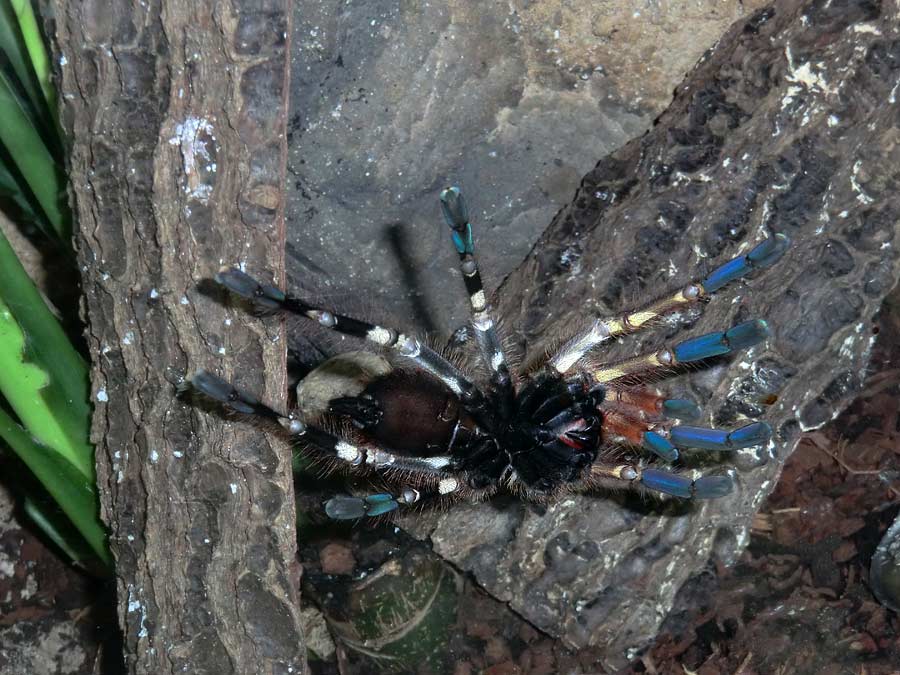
(135, 605)
(196, 138)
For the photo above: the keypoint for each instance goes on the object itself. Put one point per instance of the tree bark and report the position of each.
(176, 116)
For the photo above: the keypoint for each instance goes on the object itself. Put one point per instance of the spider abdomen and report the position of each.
(419, 416)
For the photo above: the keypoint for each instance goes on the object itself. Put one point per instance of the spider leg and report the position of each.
(650, 402)
(453, 207)
(244, 403)
(270, 298)
(632, 415)
(347, 507)
(642, 417)
(363, 411)
(742, 336)
(350, 507)
(433, 469)
(667, 482)
(763, 255)
(663, 442)
(638, 417)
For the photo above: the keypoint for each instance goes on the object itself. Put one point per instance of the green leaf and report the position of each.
(35, 386)
(46, 343)
(26, 387)
(11, 190)
(75, 493)
(13, 47)
(32, 159)
(49, 519)
(34, 43)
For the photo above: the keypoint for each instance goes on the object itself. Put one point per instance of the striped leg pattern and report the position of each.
(270, 298)
(739, 337)
(763, 255)
(667, 482)
(323, 443)
(456, 215)
(644, 418)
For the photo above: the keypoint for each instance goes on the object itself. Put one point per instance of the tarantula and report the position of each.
(428, 430)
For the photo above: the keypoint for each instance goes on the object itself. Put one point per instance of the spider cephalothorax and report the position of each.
(541, 438)
(429, 429)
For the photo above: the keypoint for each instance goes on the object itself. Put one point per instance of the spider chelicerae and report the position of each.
(429, 430)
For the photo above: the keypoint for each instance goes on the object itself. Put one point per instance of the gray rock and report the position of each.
(512, 101)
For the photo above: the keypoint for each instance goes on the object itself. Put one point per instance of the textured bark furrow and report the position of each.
(789, 123)
(176, 112)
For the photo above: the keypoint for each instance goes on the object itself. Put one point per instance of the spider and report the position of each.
(429, 430)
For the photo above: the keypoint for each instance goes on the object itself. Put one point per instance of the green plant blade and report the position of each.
(13, 46)
(33, 395)
(10, 189)
(75, 493)
(34, 43)
(33, 160)
(50, 520)
(47, 346)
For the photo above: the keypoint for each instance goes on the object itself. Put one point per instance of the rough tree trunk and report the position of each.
(176, 115)
(788, 123)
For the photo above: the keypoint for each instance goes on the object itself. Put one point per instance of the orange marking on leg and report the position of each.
(644, 399)
(618, 426)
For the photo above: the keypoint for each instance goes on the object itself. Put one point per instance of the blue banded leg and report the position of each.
(272, 299)
(742, 336)
(755, 433)
(663, 443)
(650, 403)
(765, 254)
(456, 215)
(677, 485)
(347, 507)
(639, 417)
(681, 409)
(659, 445)
(625, 429)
